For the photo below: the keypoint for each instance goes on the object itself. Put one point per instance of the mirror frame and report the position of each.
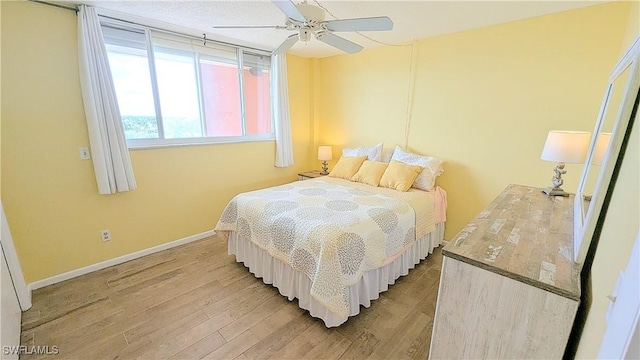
(585, 221)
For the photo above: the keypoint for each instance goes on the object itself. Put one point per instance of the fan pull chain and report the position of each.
(412, 69)
(408, 112)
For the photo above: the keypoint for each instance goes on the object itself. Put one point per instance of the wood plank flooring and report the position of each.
(197, 302)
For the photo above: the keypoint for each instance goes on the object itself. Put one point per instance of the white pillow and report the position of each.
(386, 155)
(426, 180)
(373, 153)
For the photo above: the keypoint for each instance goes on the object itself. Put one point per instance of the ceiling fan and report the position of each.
(308, 20)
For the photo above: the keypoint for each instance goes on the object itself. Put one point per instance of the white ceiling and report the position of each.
(412, 19)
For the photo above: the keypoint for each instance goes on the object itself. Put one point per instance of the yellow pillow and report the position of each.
(400, 176)
(370, 172)
(347, 166)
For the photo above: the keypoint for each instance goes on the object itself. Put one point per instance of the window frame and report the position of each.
(240, 51)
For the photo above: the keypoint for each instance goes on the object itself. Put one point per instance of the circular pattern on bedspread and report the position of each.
(313, 213)
(385, 218)
(283, 233)
(244, 230)
(337, 195)
(253, 213)
(230, 213)
(277, 207)
(306, 201)
(350, 252)
(313, 192)
(341, 205)
(304, 262)
(392, 247)
(410, 236)
(318, 235)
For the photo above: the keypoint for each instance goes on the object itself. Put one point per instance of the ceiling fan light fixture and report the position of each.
(304, 34)
(255, 71)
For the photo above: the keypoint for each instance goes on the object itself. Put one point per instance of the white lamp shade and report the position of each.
(566, 146)
(325, 153)
(601, 148)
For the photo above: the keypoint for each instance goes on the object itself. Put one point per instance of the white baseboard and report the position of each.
(119, 260)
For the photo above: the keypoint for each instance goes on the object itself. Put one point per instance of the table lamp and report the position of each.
(325, 153)
(563, 147)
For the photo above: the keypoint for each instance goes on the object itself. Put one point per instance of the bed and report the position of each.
(331, 243)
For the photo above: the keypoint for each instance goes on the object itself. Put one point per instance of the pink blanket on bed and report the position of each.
(440, 203)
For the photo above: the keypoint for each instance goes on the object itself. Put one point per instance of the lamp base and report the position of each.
(555, 191)
(556, 182)
(325, 168)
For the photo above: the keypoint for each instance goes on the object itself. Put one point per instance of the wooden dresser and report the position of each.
(509, 287)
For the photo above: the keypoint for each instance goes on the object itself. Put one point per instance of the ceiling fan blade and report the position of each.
(338, 42)
(381, 23)
(286, 45)
(289, 9)
(249, 27)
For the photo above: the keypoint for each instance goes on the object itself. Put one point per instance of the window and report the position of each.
(175, 90)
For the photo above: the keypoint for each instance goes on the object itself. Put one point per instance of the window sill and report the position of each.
(146, 144)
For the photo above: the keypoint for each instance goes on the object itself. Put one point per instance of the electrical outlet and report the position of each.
(84, 153)
(105, 235)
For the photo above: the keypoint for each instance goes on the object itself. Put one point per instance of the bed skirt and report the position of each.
(294, 284)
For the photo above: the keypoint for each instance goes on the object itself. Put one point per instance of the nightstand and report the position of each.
(310, 175)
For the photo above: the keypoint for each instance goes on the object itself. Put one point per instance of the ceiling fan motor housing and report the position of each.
(309, 21)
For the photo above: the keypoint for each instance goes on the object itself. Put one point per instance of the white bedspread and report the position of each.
(329, 230)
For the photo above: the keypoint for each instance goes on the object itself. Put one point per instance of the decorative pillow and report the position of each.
(399, 176)
(432, 167)
(373, 153)
(370, 172)
(347, 166)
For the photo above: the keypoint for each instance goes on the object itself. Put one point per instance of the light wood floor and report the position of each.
(195, 302)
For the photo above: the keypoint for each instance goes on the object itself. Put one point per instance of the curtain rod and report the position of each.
(55, 5)
(204, 37)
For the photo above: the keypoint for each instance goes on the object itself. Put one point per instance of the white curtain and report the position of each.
(111, 161)
(280, 110)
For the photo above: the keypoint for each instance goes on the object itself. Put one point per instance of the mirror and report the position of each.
(611, 125)
(615, 91)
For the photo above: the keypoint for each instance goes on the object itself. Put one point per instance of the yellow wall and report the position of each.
(483, 100)
(50, 195)
(633, 25)
(620, 228)
(0, 103)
